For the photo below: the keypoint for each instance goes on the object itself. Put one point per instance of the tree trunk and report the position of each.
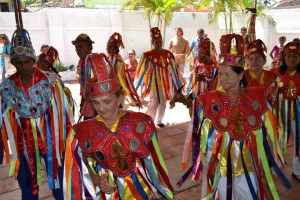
(225, 18)
(230, 22)
(164, 35)
(150, 26)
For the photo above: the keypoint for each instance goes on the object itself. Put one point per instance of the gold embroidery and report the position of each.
(120, 155)
(238, 121)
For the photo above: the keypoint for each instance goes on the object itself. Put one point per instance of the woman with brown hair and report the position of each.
(5, 52)
(230, 137)
(116, 154)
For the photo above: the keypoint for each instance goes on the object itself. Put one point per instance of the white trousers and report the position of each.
(296, 159)
(157, 109)
(240, 188)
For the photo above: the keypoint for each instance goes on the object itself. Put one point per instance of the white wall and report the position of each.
(59, 26)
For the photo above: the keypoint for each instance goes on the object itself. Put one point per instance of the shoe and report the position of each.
(161, 125)
(297, 177)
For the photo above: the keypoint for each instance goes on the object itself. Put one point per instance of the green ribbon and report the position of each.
(37, 154)
(12, 168)
(204, 131)
(265, 164)
(271, 133)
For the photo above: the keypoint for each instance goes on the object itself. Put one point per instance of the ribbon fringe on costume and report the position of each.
(145, 180)
(43, 135)
(259, 153)
(166, 78)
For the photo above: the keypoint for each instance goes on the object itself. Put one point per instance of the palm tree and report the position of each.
(227, 8)
(162, 9)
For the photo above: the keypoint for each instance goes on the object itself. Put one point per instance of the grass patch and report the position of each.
(92, 3)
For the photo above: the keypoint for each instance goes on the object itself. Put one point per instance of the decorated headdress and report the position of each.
(291, 47)
(51, 55)
(21, 45)
(116, 40)
(83, 37)
(207, 50)
(258, 47)
(227, 57)
(155, 33)
(103, 80)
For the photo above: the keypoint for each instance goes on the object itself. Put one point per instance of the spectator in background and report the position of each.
(244, 35)
(131, 63)
(276, 52)
(179, 46)
(5, 53)
(195, 41)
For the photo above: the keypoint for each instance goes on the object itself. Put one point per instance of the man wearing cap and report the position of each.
(158, 70)
(83, 46)
(36, 121)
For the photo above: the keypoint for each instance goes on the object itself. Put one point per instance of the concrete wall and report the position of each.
(59, 26)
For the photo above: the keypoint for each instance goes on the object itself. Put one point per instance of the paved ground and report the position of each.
(171, 140)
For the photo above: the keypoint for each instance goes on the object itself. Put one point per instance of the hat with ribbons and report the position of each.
(21, 45)
(102, 80)
(116, 40)
(51, 55)
(232, 55)
(257, 47)
(155, 33)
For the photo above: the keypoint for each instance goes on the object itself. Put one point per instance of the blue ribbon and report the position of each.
(142, 76)
(253, 193)
(49, 153)
(272, 160)
(138, 186)
(153, 177)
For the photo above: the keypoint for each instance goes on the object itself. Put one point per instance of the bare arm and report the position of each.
(5, 55)
(271, 54)
(170, 45)
(189, 51)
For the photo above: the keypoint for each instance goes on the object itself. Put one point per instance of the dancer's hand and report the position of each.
(103, 184)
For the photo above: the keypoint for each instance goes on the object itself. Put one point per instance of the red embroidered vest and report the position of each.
(269, 83)
(237, 118)
(117, 150)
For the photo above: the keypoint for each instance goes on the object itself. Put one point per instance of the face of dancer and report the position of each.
(107, 106)
(24, 66)
(256, 62)
(292, 60)
(157, 44)
(229, 79)
(83, 48)
(111, 48)
(43, 65)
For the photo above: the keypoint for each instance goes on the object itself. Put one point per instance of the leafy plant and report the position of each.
(61, 67)
(162, 9)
